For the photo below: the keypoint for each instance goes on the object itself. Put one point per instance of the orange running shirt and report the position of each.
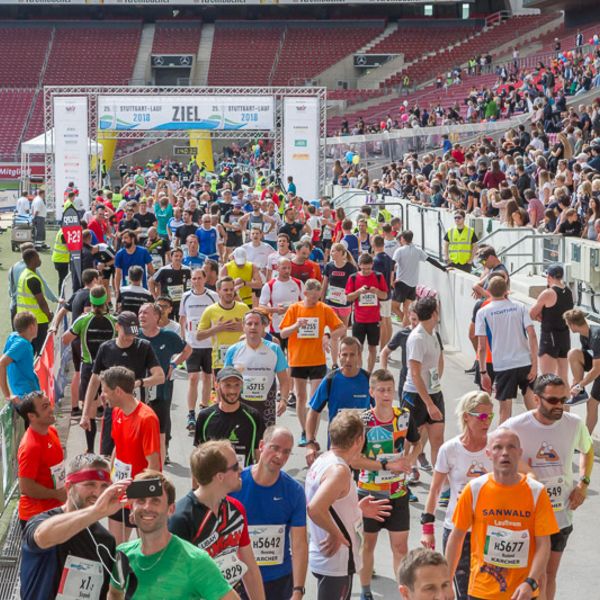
(505, 521)
(41, 458)
(136, 436)
(305, 346)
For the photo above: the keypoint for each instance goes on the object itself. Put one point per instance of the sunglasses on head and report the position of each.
(482, 416)
(554, 400)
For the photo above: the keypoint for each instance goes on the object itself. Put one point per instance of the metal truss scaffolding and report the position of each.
(93, 92)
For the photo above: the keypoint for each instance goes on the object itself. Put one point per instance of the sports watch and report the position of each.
(532, 583)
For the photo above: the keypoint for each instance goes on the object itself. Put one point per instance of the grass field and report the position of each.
(9, 258)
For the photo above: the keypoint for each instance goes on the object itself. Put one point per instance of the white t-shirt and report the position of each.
(273, 259)
(277, 292)
(461, 466)
(271, 236)
(408, 259)
(504, 322)
(258, 255)
(426, 349)
(390, 247)
(23, 206)
(549, 450)
(191, 307)
(38, 206)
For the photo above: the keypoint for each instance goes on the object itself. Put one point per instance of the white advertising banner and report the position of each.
(301, 122)
(71, 151)
(173, 113)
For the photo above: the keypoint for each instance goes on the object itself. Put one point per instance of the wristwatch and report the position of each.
(585, 479)
(427, 518)
(383, 462)
(532, 583)
(299, 588)
(313, 443)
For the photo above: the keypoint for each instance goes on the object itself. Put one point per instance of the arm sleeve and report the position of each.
(205, 321)
(151, 360)
(98, 366)
(245, 536)
(396, 341)
(289, 318)
(29, 534)
(147, 257)
(479, 324)
(331, 319)
(350, 284)
(119, 260)
(583, 442)
(228, 362)
(414, 350)
(265, 295)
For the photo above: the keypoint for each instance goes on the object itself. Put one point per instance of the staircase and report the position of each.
(389, 29)
(200, 74)
(141, 70)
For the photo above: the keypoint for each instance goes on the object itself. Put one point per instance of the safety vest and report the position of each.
(60, 253)
(460, 247)
(259, 184)
(245, 273)
(384, 215)
(26, 300)
(372, 225)
(116, 200)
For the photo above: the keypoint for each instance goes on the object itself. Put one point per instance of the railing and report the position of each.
(497, 17)
(277, 56)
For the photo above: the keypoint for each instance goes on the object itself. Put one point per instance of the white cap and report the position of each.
(239, 256)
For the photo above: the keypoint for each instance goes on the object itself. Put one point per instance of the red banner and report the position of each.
(44, 369)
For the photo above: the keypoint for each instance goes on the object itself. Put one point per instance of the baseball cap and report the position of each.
(129, 322)
(240, 257)
(555, 270)
(227, 372)
(237, 204)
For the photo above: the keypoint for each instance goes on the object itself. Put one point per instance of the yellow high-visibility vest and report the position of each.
(460, 247)
(26, 300)
(60, 252)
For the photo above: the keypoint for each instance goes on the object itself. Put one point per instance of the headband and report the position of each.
(89, 475)
(98, 301)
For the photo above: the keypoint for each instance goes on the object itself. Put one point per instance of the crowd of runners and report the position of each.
(264, 303)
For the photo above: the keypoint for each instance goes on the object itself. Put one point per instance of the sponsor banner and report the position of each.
(174, 113)
(71, 151)
(301, 144)
(12, 171)
(367, 61)
(160, 61)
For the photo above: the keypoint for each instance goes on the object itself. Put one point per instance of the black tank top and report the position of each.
(552, 317)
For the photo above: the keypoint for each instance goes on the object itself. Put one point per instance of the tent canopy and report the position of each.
(37, 145)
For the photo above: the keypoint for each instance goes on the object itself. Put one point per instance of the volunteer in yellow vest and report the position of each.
(30, 296)
(61, 258)
(384, 215)
(460, 243)
(245, 275)
(261, 181)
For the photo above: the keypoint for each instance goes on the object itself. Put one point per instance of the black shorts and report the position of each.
(326, 244)
(418, 410)
(507, 383)
(399, 519)
(76, 354)
(312, 373)
(555, 343)
(558, 541)
(370, 331)
(588, 363)
(276, 589)
(107, 273)
(200, 360)
(122, 516)
(161, 408)
(283, 342)
(403, 292)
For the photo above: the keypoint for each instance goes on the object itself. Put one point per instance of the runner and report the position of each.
(40, 459)
(276, 509)
(135, 433)
(382, 263)
(159, 565)
(172, 280)
(244, 274)
(222, 322)
(304, 324)
(193, 258)
(508, 555)
(158, 247)
(550, 437)
(507, 328)
(459, 460)
(303, 268)
(486, 256)
(131, 254)
(555, 340)
(209, 239)
(231, 420)
(257, 251)
(261, 364)
(188, 228)
(424, 575)
(383, 464)
(66, 548)
(214, 521)
(283, 251)
(131, 297)
(366, 289)
(335, 514)
(343, 388)
(199, 363)
(335, 277)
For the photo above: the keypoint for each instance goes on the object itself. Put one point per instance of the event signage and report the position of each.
(174, 113)
(368, 61)
(301, 124)
(72, 233)
(184, 151)
(71, 149)
(161, 61)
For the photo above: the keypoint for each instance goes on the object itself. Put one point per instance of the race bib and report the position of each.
(57, 473)
(157, 262)
(121, 470)
(506, 548)
(255, 388)
(81, 579)
(310, 329)
(434, 381)
(221, 352)
(268, 543)
(231, 567)
(387, 476)
(368, 299)
(326, 233)
(175, 292)
(336, 294)
(266, 227)
(557, 492)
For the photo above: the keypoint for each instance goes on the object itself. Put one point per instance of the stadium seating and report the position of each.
(176, 38)
(23, 50)
(14, 106)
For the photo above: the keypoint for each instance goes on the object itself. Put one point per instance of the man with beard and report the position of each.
(131, 254)
(549, 437)
(210, 519)
(57, 543)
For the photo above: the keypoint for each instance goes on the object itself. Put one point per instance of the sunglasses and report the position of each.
(458, 218)
(554, 400)
(235, 468)
(482, 416)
